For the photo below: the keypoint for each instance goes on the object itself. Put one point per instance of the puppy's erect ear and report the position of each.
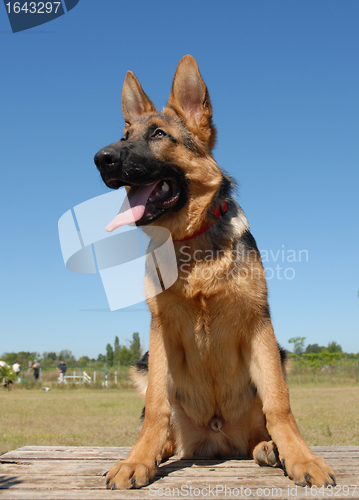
(134, 101)
(189, 98)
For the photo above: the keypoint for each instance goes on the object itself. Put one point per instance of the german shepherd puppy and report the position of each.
(215, 380)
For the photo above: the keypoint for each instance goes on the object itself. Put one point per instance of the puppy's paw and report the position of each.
(266, 453)
(125, 475)
(308, 471)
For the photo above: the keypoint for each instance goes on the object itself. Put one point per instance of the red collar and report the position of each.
(218, 211)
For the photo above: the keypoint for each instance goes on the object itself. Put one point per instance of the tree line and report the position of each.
(114, 355)
(298, 344)
(315, 356)
(126, 355)
(122, 355)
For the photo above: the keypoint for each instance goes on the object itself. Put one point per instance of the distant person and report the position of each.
(36, 368)
(16, 368)
(62, 371)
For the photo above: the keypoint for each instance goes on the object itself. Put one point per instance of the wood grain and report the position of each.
(66, 473)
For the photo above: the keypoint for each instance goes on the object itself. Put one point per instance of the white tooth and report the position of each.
(165, 187)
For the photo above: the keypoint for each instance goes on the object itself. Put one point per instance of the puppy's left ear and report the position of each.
(189, 98)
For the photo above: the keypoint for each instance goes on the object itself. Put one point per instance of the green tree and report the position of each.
(49, 359)
(83, 361)
(116, 347)
(50, 356)
(135, 347)
(23, 357)
(6, 374)
(334, 347)
(10, 357)
(109, 355)
(298, 344)
(124, 356)
(67, 356)
(313, 348)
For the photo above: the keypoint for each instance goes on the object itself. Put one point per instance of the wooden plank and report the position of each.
(70, 472)
(90, 467)
(57, 467)
(105, 453)
(49, 482)
(199, 490)
(66, 453)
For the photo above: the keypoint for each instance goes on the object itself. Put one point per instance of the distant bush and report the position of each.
(323, 358)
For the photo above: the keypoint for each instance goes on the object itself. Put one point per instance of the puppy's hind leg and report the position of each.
(169, 448)
(261, 447)
(266, 453)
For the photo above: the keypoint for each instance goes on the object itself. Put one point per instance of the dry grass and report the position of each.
(110, 417)
(327, 416)
(78, 417)
(331, 376)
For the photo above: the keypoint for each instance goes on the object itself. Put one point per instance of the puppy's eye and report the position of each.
(159, 133)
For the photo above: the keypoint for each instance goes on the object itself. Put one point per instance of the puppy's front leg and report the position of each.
(140, 466)
(298, 460)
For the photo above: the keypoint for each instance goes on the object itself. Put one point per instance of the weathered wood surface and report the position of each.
(66, 473)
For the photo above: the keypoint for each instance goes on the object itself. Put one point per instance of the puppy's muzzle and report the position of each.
(107, 159)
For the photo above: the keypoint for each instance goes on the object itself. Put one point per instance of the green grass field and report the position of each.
(77, 417)
(110, 417)
(327, 415)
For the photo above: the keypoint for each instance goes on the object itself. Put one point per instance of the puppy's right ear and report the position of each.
(134, 101)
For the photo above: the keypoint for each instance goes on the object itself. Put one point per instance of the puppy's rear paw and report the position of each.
(266, 453)
(125, 475)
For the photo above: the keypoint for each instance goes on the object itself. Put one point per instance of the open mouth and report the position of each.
(144, 203)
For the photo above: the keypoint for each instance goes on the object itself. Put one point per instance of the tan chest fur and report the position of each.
(203, 339)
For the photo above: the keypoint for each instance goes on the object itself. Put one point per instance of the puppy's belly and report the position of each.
(209, 422)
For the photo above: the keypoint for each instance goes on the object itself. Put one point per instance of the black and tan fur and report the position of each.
(215, 382)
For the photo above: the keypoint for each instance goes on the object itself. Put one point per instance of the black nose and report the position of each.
(106, 159)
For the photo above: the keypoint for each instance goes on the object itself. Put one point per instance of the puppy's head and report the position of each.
(165, 159)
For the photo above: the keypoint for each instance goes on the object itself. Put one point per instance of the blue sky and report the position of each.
(283, 79)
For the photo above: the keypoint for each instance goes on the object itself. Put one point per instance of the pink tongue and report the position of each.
(137, 198)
